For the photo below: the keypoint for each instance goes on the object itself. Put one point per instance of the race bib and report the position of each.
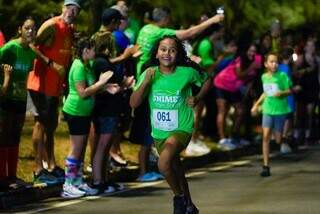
(270, 89)
(165, 120)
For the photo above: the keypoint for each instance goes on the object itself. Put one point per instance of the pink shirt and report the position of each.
(228, 80)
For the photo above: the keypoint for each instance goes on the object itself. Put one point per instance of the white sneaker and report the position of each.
(197, 149)
(69, 191)
(88, 190)
(285, 148)
(226, 145)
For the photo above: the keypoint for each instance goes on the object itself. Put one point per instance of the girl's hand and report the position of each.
(112, 88)
(7, 69)
(149, 75)
(131, 51)
(278, 94)
(192, 101)
(128, 82)
(196, 59)
(254, 110)
(104, 77)
(296, 89)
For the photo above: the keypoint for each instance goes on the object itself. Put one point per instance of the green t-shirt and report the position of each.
(205, 51)
(74, 104)
(132, 30)
(279, 81)
(147, 37)
(21, 59)
(167, 99)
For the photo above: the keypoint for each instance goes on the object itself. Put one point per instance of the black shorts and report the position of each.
(231, 97)
(13, 106)
(46, 109)
(78, 125)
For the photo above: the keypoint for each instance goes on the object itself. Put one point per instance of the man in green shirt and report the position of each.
(154, 31)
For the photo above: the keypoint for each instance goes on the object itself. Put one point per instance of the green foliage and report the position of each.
(255, 15)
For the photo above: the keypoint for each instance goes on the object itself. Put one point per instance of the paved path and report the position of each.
(228, 187)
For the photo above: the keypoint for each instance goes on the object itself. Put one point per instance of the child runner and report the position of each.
(168, 87)
(275, 108)
(77, 110)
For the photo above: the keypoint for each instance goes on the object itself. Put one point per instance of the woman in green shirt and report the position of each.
(16, 59)
(77, 110)
(167, 83)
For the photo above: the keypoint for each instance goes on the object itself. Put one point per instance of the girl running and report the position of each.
(276, 87)
(167, 83)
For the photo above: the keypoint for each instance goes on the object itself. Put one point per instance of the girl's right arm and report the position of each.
(138, 95)
(254, 108)
(84, 91)
(7, 69)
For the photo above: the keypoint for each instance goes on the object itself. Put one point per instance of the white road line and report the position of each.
(134, 186)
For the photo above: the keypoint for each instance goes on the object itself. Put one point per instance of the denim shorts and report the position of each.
(274, 122)
(105, 125)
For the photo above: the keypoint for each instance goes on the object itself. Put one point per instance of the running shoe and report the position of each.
(198, 148)
(179, 205)
(226, 145)
(116, 186)
(70, 191)
(17, 183)
(87, 189)
(147, 177)
(285, 148)
(265, 171)
(58, 173)
(192, 209)
(158, 175)
(44, 178)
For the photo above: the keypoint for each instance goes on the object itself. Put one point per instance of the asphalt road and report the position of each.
(228, 187)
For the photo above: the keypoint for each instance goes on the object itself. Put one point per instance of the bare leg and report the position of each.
(98, 162)
(143, 158)
(239, 119)
(38, 145)
(265, 145)
(166, 162)
(223, 108)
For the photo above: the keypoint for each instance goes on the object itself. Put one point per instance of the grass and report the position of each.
(62, 144)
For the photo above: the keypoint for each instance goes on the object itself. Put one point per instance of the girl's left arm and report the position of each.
(193, 100)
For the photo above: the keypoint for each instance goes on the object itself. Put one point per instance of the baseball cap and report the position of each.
(109, 14)
(123, 10)
(72, 2)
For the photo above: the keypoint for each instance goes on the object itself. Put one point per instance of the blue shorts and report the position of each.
(274, 122)
(105, 125)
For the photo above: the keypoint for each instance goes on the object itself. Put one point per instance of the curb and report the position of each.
(34, 194)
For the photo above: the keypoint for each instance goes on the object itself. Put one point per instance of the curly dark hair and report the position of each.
(83, 43)
(181, 60)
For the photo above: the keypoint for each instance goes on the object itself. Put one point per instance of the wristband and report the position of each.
(49, 62)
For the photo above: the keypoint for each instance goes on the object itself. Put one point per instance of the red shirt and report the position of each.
(43, 78)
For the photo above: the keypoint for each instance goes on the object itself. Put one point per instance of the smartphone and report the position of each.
(294, 57)
(220, 10)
